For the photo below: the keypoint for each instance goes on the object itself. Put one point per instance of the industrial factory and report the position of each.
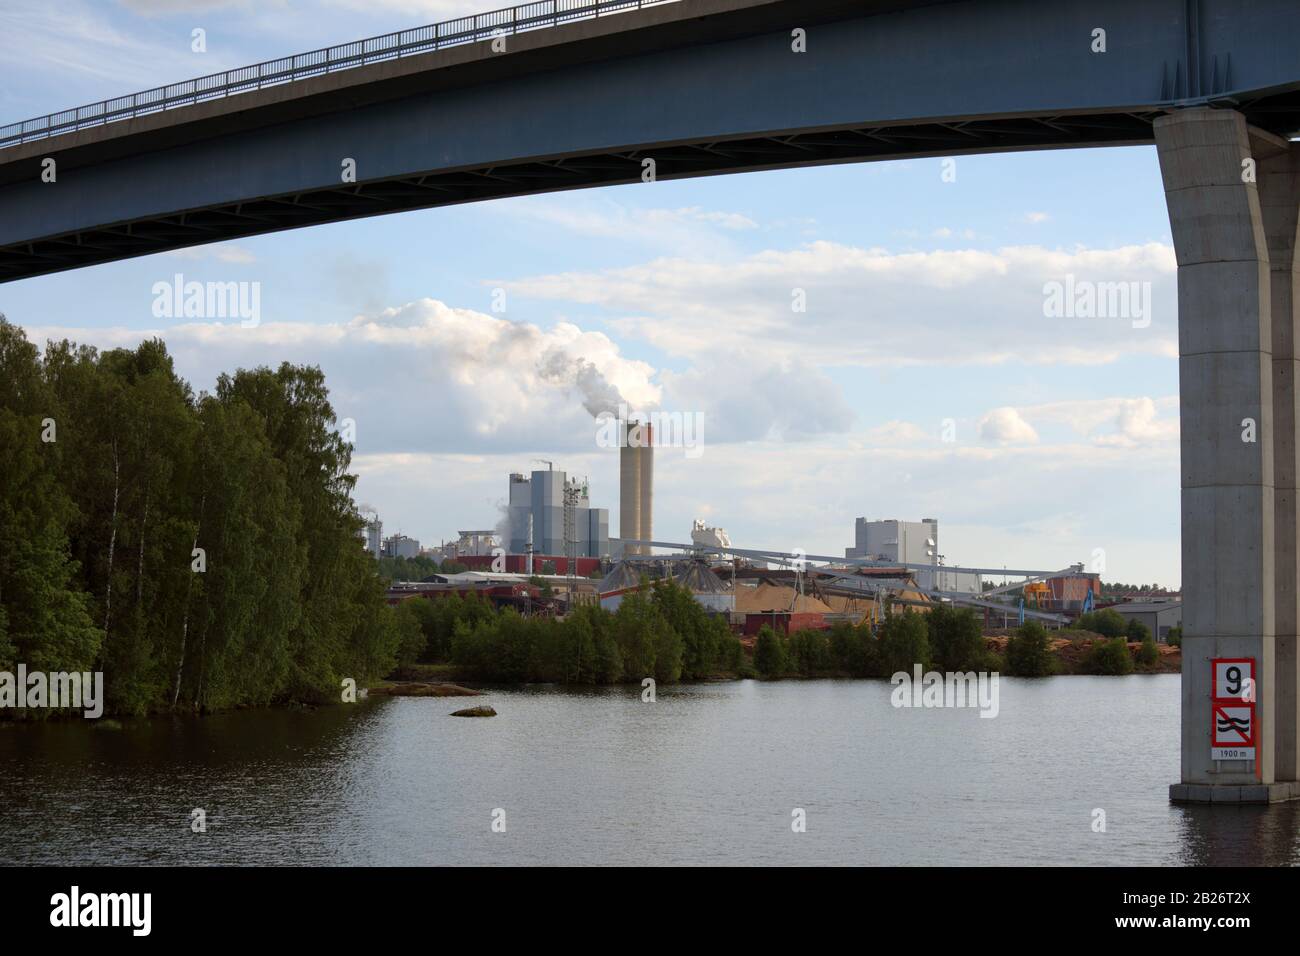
(552, 550)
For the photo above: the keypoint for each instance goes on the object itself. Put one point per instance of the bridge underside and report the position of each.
(702, 87)
(684, 160)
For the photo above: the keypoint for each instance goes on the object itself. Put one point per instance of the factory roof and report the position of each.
(623, 575)
(1146, 607)
(699, 577)
(771, 597)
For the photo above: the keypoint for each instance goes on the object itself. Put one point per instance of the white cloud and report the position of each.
(78, 42)
(1004, 426)
(900, 433)
(1125, 422)
(222, 252)
(429, 377)
(687, 230)
(1034, 218)
(873, 306)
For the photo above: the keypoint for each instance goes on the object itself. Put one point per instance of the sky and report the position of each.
(878, 340)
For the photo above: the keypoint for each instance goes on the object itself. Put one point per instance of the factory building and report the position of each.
(1158, 616)
(400, 546)
(373, 535)
(912, 543)
(704, 536)
(636, 486)
(535, 512)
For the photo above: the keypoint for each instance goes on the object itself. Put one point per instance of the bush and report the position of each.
(810, 652)
(1135, 630)
(1175, 637)
(1029, 652)
(1109, 657)
(1107, 622)
(904, 642)
(769, 653)
(1148, 655)
(854, 651)
(956, 639)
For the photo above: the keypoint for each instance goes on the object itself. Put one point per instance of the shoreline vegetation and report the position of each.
(203, 552)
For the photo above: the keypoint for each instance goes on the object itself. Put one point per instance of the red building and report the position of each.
(499, 595)
(518, 564)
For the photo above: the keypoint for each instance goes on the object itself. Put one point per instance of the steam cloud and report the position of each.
(598, 393)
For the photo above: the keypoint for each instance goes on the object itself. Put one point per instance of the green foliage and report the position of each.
(1109, 657)
(593, 646)
(1135, 630)
(418, 568)
(1107, 622)
(956, 639)
(45, 614)
(810, 652)
(703, 635)
(1174, 637)
(1148, 655)
(98, 531)
(855, 651)
(409, 624)
(769, 653)
(1029, 652)
(904, 642)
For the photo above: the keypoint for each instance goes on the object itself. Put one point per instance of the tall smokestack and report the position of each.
(629, 487)
(646, 453)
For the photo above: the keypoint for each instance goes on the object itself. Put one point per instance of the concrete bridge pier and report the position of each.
(1232, 193)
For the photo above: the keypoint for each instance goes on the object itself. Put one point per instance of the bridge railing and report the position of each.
(479, 28)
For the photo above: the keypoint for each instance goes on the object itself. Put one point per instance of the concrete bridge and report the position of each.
(564, 94)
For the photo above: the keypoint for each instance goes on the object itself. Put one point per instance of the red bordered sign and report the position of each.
(1232, 714)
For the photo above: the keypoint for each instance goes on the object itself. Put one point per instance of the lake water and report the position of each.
(707, 774)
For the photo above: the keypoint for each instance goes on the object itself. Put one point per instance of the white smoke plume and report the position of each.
(598, 394)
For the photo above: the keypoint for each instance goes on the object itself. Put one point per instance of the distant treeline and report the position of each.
(945, 639)
(418, 568)
(660, 632)
(202, 551)
(664, 633)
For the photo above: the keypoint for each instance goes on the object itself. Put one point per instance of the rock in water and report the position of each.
(474, 712)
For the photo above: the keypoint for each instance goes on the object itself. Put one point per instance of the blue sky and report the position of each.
(924, 308)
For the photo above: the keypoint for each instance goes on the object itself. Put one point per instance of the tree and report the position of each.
(810, 651)
(769, 653)
(1107, 622)
(412, 640)
(1109, 657)
(636, 628)
(1135, 630)
(904, 642)
(1029, 653)
(956, 639)
(45, 614)
(1148, 655)
(700, 632)
(202, 552)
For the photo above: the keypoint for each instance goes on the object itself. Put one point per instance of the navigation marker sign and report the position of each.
(1234, 679)
(1233, 714)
